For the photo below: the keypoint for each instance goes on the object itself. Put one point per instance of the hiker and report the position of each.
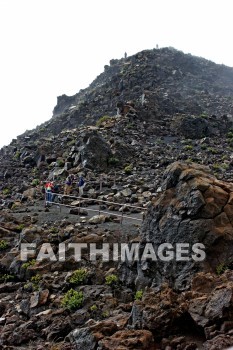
(68, 184)
(81, 185)
(48, 191)
(55, 191)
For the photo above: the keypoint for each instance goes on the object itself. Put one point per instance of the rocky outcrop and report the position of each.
(164, 81)
(207, 307)
(198, 127)
(194, 207)
(191, 127)
(159, 126)
(96, 152)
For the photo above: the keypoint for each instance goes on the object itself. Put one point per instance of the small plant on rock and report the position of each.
(138, 295)
(17, 155)
(203, 146)
(216, 166)
(35, 182)
(28, 287)
(72, 142)
(221, 268)
(111, 280)
(60, 163)
(230, 135)
(36, 281)
(54, 230)
(204, 115)
(20, 227)
(128, 169)
(93, 308)
(113, 161)
(78, 276)
(28, 263)
(102, 120)
(73, 299)
(6, 278)
(3, 244)
(212, 150)
(105, 314)
(34, 171)
(6, 191)
(188, 147)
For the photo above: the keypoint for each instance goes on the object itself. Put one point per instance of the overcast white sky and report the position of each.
(55, 47)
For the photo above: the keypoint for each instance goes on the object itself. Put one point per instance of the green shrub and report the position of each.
(204, 115)
(20, 227)
(53, 230)
(128, 169)
(230, 135)
(27, 287)
(6, 191)
(35, 281)
(221, 268)
(102, 120)
(28, 263)
(3, 244)
(111, 279)
(138, 295)
(6, 278)
(78, 276)
(35, 182)
(216, 166)
(113, 161)
(203, 146)
(212, 150)
(93, 308)
(188, 147)
(71, 143)
(189, 160)
(72, 300)
(34, 171)
(225, 166)
(60, 163)
(14, 206)
(105, 314)
(17, 155)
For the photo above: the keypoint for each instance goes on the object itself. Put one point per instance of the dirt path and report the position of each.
(55, 214)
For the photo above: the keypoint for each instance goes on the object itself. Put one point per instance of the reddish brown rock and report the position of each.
(194, 207)
(127, 340)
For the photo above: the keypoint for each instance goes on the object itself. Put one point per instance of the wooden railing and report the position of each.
(98, 202)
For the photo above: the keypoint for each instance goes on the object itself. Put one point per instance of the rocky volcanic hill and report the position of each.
(154, 131)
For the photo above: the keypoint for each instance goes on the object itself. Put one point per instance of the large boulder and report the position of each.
(192, 127)
(194, 207)
(207, 306)
(95, 152)
(88, 338)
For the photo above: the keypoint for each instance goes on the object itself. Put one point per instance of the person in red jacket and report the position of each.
(49, 191)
